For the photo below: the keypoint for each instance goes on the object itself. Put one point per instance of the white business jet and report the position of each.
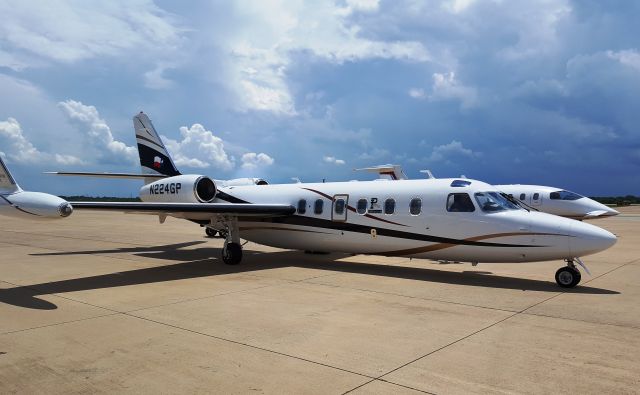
(15, 202)
(550, 200)
(442, 219)
(558, 201)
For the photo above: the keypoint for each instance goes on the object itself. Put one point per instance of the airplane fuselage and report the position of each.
(371, 224)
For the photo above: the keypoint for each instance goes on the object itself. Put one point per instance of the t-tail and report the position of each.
(154, 157)
(14, 202)
(7, 183)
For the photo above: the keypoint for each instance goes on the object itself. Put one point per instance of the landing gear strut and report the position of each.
(215, 233)
(568, 276)
(210, 231)
(232, 250)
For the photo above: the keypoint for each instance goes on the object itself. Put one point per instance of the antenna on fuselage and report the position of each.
(428, 173)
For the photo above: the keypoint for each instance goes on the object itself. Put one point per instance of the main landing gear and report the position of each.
(569, 276)
(232, 250)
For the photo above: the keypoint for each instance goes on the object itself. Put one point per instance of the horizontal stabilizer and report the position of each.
(106, 175)
(389, 172)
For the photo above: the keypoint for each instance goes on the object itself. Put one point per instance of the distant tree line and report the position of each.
(617, 200)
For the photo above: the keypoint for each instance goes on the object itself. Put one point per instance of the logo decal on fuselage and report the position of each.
(374, 207)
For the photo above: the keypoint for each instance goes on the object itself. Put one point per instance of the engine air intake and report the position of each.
(205, 189)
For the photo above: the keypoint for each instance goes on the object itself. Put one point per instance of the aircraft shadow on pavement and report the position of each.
(203, 262)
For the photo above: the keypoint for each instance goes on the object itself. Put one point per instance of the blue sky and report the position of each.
(542, 92)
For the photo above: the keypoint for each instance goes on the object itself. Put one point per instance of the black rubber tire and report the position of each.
(210, 232)
(232, 253)
(568, 277)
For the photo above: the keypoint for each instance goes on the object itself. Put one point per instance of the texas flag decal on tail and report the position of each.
(157, 162)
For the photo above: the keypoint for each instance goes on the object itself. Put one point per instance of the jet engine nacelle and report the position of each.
(237, 182)
(189, 188)
(34, 205)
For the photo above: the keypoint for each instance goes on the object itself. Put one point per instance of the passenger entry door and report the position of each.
(340, 208)
(536, 199)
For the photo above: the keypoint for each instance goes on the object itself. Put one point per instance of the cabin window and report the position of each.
(415, 206)
(536, 196)
(460, 183)
(302, 206)
(523, 196)
(460, 203)
(564, 195)
(362, 206)
(338, 207)
(317, 206)
(389, 206)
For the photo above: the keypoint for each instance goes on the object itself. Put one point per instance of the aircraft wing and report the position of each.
(105, 175)
(191, 210)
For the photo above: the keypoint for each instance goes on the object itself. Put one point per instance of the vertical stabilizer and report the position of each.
(154, 157)
(7, 182)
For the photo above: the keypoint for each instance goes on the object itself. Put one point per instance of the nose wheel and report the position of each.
(568, 276)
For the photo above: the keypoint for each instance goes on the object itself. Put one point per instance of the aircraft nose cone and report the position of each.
(611, 212)
(588, 239)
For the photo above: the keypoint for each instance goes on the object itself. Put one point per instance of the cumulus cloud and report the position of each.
(98, 131)
(454, 149)
(284, 29)
(629, 57)
(198, 148)
(417, 93)
(251, 160)
(66, 31)
(23, 151)
(333, 160)
(447, 87)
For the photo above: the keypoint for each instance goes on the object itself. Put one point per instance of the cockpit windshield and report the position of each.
(564, 195)
(493, 202)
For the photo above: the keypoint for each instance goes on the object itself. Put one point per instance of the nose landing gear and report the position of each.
(569, 276)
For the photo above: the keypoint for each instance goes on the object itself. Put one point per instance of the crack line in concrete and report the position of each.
(247, 345)
(57, 323)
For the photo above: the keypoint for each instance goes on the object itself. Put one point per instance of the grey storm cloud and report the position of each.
(522, 91)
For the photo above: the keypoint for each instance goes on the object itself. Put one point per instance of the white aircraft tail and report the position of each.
(7, 183)
(154, 157)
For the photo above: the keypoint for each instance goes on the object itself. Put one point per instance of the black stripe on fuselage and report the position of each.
(231, 199)
(18, 208)
(357, 228)
(349, 227)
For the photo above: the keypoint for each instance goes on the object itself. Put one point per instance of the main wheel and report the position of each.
(232, 253)
(568, 277)
(210, 232)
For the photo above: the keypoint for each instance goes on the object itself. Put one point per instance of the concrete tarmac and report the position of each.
(119, 303)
